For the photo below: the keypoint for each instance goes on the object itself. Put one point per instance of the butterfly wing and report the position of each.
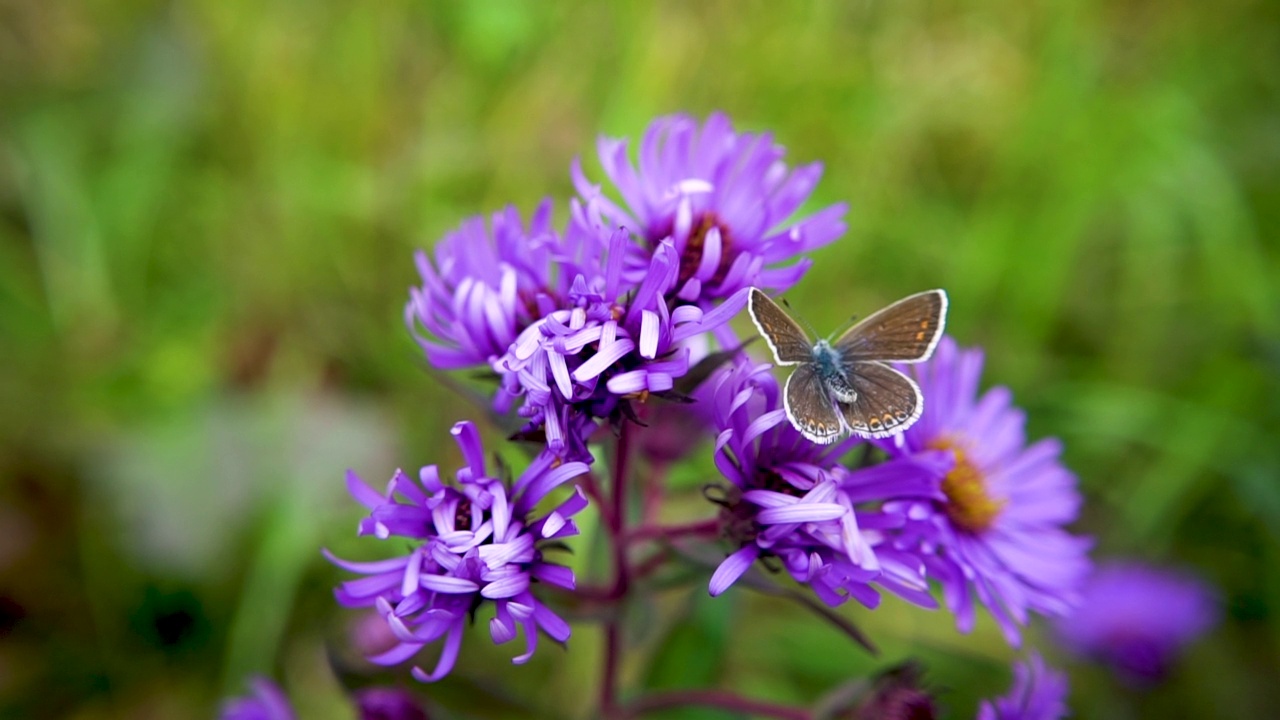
(906, 331)
(887, 402)
(809, 406)
(788, 341)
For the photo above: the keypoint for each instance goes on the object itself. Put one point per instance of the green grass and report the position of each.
(207, 214)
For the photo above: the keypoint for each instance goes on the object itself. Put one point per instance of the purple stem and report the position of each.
(622, 571)
(591, 486)
(654, 485)
(671, 532)
(609, 688)
(621, 475)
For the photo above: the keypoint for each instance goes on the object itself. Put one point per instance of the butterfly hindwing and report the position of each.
(887, 401)
(788, 341)
(809, 406)
(906, 331)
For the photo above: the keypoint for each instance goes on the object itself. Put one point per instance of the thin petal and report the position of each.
(732, 568)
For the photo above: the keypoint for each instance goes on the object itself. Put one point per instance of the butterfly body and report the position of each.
(833, 372)
(844, 385)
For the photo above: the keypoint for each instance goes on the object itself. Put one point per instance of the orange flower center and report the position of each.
(691, 258)
(969, 505)
(462, 516)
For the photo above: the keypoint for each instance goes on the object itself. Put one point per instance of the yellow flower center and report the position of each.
(968, 504)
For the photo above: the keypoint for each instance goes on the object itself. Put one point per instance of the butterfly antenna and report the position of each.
(853, 320)
(813, 332)
(800, 318)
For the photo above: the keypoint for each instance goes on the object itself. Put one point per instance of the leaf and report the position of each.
(692, 654)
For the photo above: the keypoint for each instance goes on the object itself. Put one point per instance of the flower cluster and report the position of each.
(477, 543)
(791, 499)
(484, 286)
(590, 326)
(722, 198)
(608, 342)
(581, 324)
(960, 500)
(613, 306)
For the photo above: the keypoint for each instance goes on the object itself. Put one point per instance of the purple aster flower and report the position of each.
(266, 703)
(607, 342)
(483, 287)
(790, 499)
(724, 199)
(997, 533)
(477, 545)
(385, 703)
(1039, 693)
(1137, 618)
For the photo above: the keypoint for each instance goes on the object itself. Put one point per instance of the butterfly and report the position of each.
(845, 384)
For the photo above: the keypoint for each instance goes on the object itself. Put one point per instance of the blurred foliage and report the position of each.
(207, 213)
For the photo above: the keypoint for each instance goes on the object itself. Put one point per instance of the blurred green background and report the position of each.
(207, 214)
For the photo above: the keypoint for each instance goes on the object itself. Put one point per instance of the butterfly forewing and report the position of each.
(888, 402)
(906, 331)
(809, 406)
(788, 341)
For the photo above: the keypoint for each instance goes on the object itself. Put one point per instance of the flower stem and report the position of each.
(717, 699)
(621, 476)
(591, 486)
(671, 532)
(609, 685)
(617, 514)
(655, 483)
(651, 564)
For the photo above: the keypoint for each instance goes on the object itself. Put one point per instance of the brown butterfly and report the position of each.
(844, 384)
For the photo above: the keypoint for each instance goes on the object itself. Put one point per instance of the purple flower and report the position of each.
(477, 545)
(792, 500)
(607, 341)
(1137, 618)
(266, 703)
(1039, 693)
(483, 287)
(385, 703)
(997, 533)
(724, 200)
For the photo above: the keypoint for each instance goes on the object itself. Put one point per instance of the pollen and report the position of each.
(969, 504)
(462, 516)
(691, 258)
